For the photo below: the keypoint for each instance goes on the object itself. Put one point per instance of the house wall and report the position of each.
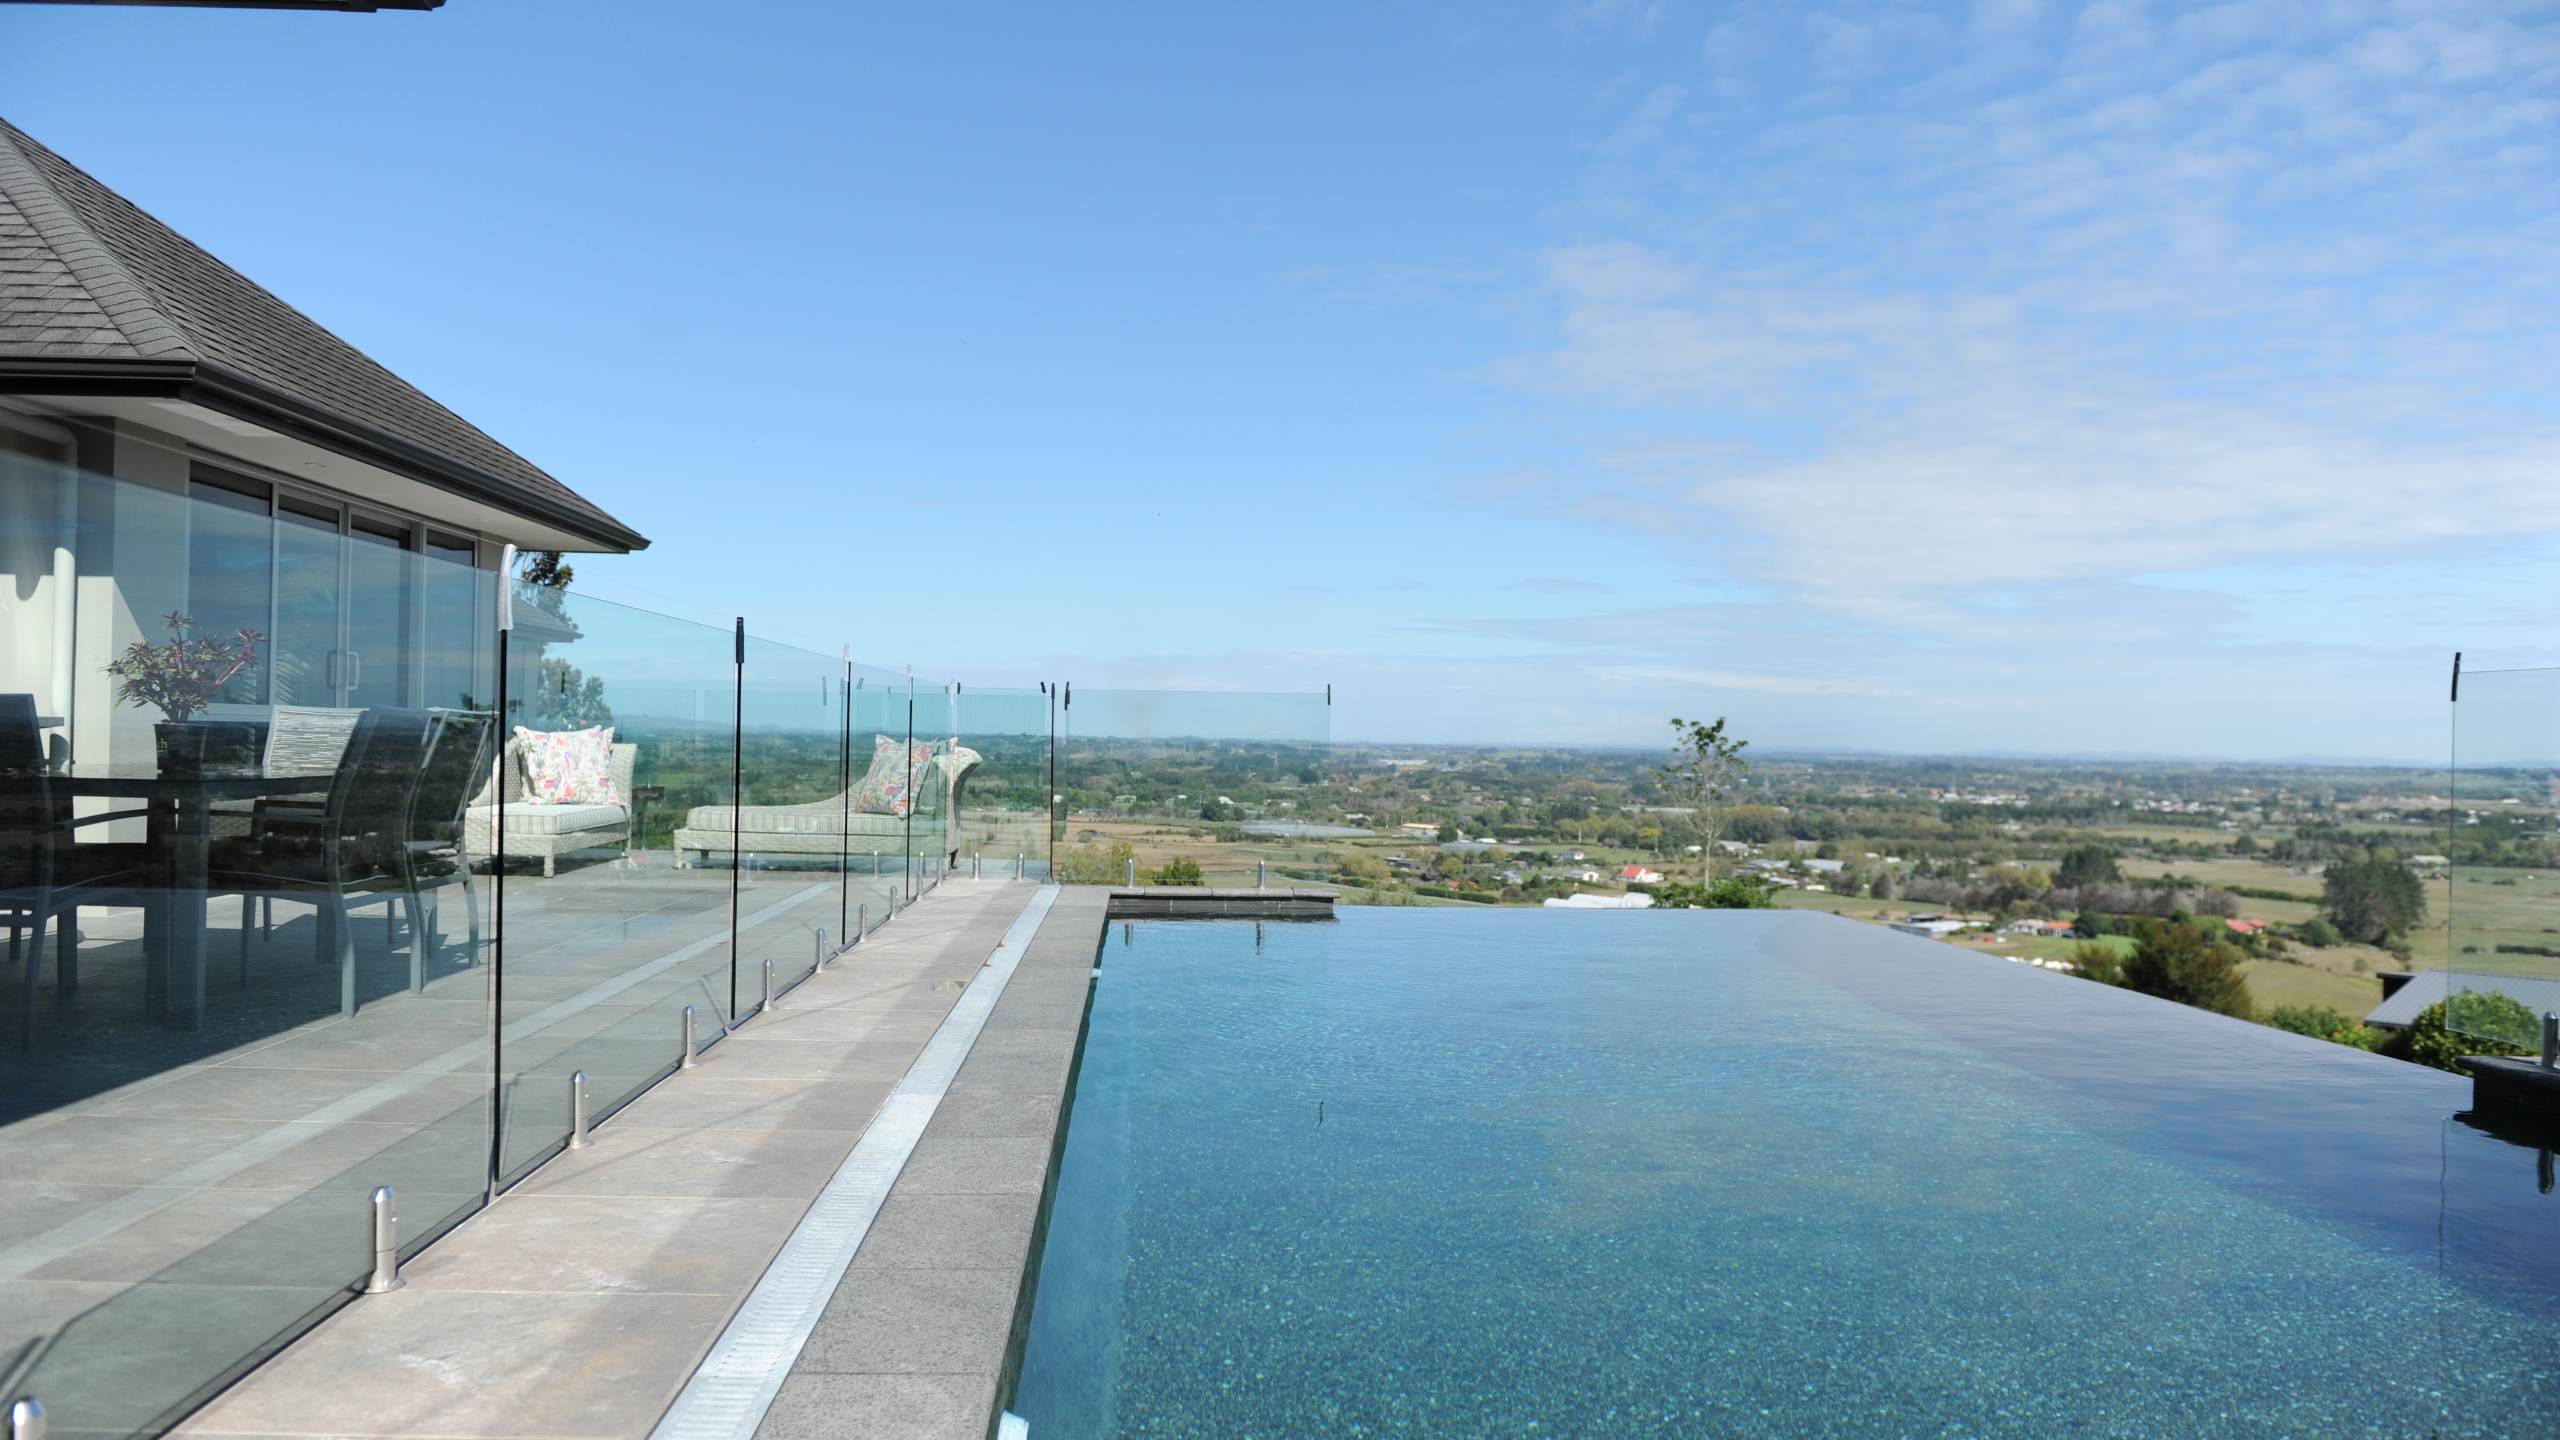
(36, 536)
(140, 530)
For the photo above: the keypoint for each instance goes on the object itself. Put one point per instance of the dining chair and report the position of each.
(455, 764)
(347, 852)
(44, 874)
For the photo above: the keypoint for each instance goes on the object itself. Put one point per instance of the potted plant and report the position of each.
(181, 678)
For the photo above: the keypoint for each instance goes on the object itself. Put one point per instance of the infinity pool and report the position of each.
(1458, 1173)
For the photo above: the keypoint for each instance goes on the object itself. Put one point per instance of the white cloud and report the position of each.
(2259, 282)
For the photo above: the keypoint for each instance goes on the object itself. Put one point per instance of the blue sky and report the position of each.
(2070, 378)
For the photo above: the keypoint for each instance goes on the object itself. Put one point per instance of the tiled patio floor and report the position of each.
(580, 1302)
(173, 1197)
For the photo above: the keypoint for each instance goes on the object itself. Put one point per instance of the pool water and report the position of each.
(1456, 1173)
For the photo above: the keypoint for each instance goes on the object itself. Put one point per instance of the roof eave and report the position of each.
(217, 388)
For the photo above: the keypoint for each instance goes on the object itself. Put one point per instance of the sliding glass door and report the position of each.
(340, 593)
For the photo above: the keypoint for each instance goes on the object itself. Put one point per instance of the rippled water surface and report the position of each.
(1458, 1173)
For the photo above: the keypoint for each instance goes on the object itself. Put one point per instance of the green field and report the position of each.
(2256, 874)
(2273, 983)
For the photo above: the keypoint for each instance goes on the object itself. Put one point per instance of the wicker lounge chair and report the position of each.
(549, 831)
(817, 827)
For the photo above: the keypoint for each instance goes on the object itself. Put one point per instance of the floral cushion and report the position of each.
(889, 788)
(568, 767)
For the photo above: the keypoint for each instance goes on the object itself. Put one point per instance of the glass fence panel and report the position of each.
(2499, 880)
(1189, 787)
(792, 817)
(883, 789)
(1000, 811)
(248, 966)
(929, 822)
(610, 822)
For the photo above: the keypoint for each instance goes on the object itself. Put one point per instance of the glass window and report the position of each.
(309, 596)
(453, 626)
(378, 652)
(230, 568)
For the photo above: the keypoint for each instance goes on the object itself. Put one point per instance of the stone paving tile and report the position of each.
(633, 1159)
(996, 1112)
(916, 1229)
(713, 1098)
(819, 1406)
(977, 1165)
(613, 1244)
(772, 1058)
(1037, 1042)
(468, 1363)
(1013, 1074)
(916, 1322)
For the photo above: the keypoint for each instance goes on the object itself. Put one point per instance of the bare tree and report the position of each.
(1706, 769)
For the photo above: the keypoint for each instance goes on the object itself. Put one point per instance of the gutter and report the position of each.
(219, 389)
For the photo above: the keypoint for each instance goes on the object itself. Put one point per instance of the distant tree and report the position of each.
(564, 698)
(1881, 887)
(2091, 864)
(2188, 965)
(2244, 844)
(1705, 769)
(1448, 832)
(2318, 933)
(2372, 900)
(1180, 870)
(2322, 1023)
(1752, 827)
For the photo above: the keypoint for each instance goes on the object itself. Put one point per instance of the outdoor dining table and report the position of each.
(178, 826)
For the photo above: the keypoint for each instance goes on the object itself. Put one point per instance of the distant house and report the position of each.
(1825, 867)
(2430, 862)
(1936, 928)
(1638, 875)
(2246, 927)
(2039, 927)
(1419, 829)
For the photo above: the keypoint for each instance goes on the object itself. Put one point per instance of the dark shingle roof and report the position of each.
(91, 285)
(2429, 987)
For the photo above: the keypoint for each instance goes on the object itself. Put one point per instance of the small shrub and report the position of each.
(1734, 892)
(2428, 1042)
(2097, 960)
(1180, 870)
(2322, 1023)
